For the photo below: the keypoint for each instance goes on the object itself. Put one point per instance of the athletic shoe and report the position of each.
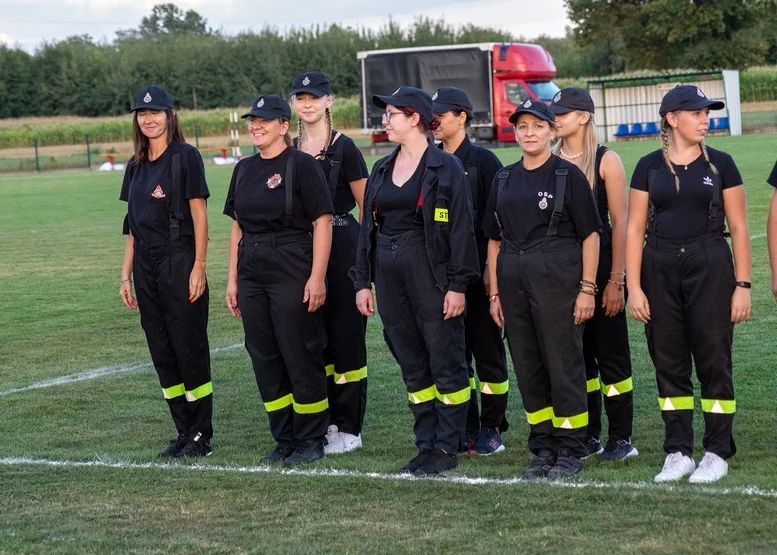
(489, 443)
(416, 462)
(350, 442)
(279, 454)
(333, 441)
(676, 466)
(566, 466)
(540, 466)
(618, 450)
(436, 463)
(593, 447)
(711, 469)
(470, 441)
(175, 447)
(196, 446)
(306, 452)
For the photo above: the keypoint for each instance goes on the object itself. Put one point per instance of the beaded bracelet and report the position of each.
(620, 284)
(125, 280)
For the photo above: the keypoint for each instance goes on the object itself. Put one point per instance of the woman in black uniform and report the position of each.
(278, 254)
(167, 243)
(606, 336)
(345, 355)
(483, 433)
(418, 246)
(683, 284)
(543, 252)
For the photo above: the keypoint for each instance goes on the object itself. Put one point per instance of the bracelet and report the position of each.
(617, 273)
(586, 282)
(744, 284)
(200, 260)
(493, 297)
(588, 291)
(125, 280)
(620, 284)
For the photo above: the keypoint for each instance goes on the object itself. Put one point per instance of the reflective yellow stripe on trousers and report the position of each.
(311, 408)
(200, 392)
(423, 396)
(173, 391)
(540, 416)
(350, 377)
(571, 422)
(455, 398)
(613, 390)
(592, 385)
(488, 388)
(675, 403)
(719, 406)
(279, 404)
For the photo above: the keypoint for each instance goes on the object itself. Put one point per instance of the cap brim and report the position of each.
(702, 103)
(157, 107)
(262, 114)
(315, 92)
(514, 117)
(559, 109)
(382, 101)
(442, 107)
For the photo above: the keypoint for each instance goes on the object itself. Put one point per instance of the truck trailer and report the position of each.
(497, 77)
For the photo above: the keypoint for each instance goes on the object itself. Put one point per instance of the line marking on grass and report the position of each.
(99, 373)
(759, 236)
(747, 491)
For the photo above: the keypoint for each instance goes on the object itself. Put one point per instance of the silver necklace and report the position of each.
(567, 156)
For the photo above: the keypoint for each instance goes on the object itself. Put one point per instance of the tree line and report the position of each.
(205, 68)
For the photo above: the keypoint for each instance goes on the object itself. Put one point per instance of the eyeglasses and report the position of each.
(387, 115)
(254, 121)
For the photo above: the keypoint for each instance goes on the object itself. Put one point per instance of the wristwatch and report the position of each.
(745, 284)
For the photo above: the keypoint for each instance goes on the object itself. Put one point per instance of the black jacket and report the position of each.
(450, 245)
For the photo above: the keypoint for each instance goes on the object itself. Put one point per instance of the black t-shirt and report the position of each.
(773, 177)
(600, 190)
(397, 206)
(353, 168)
(147, 189)
(526, 204)
(480, 185)
(257, 193)
(685, 214)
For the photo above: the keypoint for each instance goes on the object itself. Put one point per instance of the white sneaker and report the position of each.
(334, 441)
(676, 466)
(711, 469)
(351, 442)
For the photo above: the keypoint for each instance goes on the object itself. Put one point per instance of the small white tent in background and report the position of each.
(627, 107)
(108, 166)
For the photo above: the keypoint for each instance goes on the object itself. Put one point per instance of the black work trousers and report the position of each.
(428, 349)
(538, 288)
(177, 333)
(283, 339)
(484, 343)
(689, 286)
(345, 356)
(608, 362)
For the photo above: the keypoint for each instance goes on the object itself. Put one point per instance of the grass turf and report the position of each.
(60, 253)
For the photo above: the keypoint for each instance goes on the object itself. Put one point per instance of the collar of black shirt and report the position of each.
(462, 152)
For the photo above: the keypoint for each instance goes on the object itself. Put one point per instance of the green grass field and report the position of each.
(60, 254)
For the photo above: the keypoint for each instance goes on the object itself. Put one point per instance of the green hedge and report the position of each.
(346, 114)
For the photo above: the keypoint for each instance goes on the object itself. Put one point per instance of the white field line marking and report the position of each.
(99, 373)
(746, 491)
(759, 236)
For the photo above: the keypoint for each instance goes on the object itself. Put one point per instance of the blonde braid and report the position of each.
(665, 150)
(706, 154)
(328, 116)
(300, 133)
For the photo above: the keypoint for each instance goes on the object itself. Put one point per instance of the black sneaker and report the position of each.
(593, 446)
(279, 454)
(416, 462)
(175, 446)
(306, 452)
(540, 466)
(195, 447)
(436, 463)
(565, 467)
(618, 450)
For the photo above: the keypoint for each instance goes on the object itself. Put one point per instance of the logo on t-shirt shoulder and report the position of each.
(708, 181)
(158, 192)
(544, 199)
(274, 181)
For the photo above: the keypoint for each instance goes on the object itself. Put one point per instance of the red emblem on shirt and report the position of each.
(158, 192)
(274, 181)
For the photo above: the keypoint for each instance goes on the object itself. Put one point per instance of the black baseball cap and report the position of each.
(450, 98)
(153, 98)
(312, 82)
(534, 107)
(405, 97)
(687, 97)
(572, 99)
(269, 106)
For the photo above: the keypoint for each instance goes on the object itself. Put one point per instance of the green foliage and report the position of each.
(758, 84)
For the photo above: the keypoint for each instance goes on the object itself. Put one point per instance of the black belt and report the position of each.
(342, 220)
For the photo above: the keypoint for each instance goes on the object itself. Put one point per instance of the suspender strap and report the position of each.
(336, 163)
(176, 215)
(717, 193)
(501, 183)
(289, 179)
(558, 206)
(472, 178)
(651, 230)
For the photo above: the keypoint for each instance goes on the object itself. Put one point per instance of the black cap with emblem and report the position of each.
(450, 98)
(535, 107)
(269, 106)
(687, 97)
(572, 99)
(153, 98)
(312, 82)
(405, 97)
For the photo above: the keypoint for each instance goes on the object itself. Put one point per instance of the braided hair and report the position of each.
(665, 149)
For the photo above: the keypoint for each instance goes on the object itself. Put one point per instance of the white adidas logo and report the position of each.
(708, 181)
